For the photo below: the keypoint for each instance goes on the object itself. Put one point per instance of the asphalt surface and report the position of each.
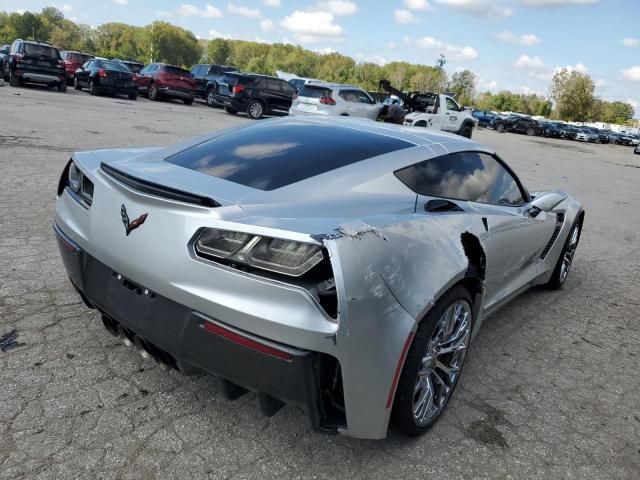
(550, 389)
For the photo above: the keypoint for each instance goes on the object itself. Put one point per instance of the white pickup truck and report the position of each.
(441, 112)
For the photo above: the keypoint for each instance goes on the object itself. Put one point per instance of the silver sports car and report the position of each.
(339, 265)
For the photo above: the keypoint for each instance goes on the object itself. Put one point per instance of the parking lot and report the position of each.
(551, 388)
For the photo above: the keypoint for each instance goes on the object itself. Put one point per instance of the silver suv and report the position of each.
(334, 100)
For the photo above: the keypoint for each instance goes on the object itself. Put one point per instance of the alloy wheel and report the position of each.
(569, 252)
(442, 362)
(255, 110)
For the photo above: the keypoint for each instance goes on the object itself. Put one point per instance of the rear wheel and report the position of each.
(152, 92)
(62, 86)
(93, 90)
(13, 80)
(500, 128)
(563, 266)
(76, 84)
(467, 131)
(434, 363)
(531, 132)
(188, 101)
(230, 110)
(133, 96)
(255, 109)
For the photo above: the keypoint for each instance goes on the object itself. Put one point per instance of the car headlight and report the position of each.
(75, 178)
(272, 254)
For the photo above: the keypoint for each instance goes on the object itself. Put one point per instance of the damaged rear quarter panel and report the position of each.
(389, 272)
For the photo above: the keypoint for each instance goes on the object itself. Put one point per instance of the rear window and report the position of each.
(176, 71)
(134, 67)
(270, 156)
(117, 66)
(76, 57)
(314, 92)
(230, 79)
(40, 51)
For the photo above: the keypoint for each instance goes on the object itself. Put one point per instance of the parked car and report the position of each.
(4, 53)
(637, 150)
(106, 76)
(256, 95)
(485, 119)
(334, 100)
(72, 61)
(635, 139)
(359, 307)
(623, 139)
(158, 80)
(134, 66)
(35, 62)
(550, 130)
(586, 135)
(518, 124)
(603, 136)
(567, 131)
(207, 77)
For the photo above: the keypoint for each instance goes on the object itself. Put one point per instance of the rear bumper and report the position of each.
(190, 341)
(112, 86)
(37, 76)
(230, 102)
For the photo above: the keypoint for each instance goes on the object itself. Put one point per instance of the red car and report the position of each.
(158, 80)
(73, 61)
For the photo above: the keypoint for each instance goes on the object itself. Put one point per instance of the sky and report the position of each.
(510, 44)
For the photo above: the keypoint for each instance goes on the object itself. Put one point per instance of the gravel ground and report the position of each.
(551, 387)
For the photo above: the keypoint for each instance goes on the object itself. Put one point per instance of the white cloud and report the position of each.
(326, 51)
(66, 8)
(337, 7)
(377, 59)
(271, 3)
(406, 40)
(391, 45)
(557, 3)
(243, 11)
(600, 83)
(310, 27)
(404, 16)
(525, 62)
(267, 25)
(422, 5)
(632, 102)
(451, 51)
(630, 42)
(215, 34)
(526, 90)
(632, 73)
(485, 85)
(163, 13)
(480, 8)
(121, 2)
(188, 10)
(526, 39)
(578, 67)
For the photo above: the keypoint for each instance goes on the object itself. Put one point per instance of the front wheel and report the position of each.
(76, 84)
(133, 96)
(92, 87)
(188, 101)
(62, 86)
(561, 270)
(434, 363)
(230, 110)
(500, 128)
(531, 132)
(152, 92)
(13, 80)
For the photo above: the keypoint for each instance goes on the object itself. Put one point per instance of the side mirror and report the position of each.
(545, 202)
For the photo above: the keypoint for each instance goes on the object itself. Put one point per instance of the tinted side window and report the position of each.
(472, 176)
(451, 105)
(197, 70)
(274, 85)
(287, 88)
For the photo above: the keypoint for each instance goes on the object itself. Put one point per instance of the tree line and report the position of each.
(573, 93)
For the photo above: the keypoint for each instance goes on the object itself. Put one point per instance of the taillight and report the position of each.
(327, 101)
(102, 73)
(295, 96)
(237, 89)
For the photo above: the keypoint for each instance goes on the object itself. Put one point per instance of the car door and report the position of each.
(198, 73)
(517, 238)
(452, 116)
(83, 73)
(431, 117)
(367, 107)
(274, 94)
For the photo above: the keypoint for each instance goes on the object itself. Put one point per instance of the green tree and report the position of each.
(463, 84)
(163, 42)
(617, 112)
(218, 51)
(574, 95)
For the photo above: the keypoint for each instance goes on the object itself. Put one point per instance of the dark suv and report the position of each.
(207, 77)
(517, 123)
(254, 94)
(35, 62)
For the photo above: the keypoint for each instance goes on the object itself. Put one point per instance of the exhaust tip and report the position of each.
(142, 348)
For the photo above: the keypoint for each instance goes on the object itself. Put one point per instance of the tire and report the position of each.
(188, 101)
(255, 109)
(500, 128)
(230, 110)
(92, 88)
(76, 84)
(152, 92)
(62, 86)
(133, 96)
(406, 416)
(563, 265)
(13, 80)
(531, 132)
(467, 131)
(210, 97)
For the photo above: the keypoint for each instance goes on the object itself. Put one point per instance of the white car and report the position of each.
(329, 99)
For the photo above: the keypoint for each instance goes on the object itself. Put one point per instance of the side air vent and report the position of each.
(151, 188)
(556, 232)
